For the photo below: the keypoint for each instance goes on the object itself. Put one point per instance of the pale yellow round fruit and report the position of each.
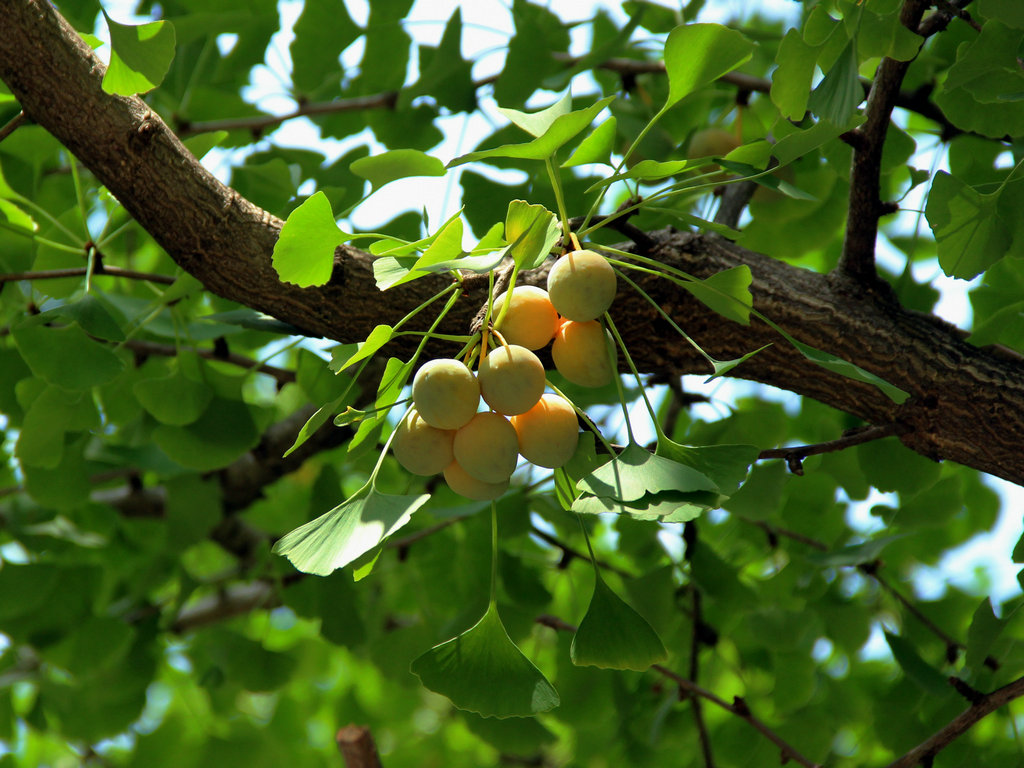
(531, 319)
(581, 355)
(582, 285)
(464, 484)
(712, 142)
(548, 432)
(446, 393)
(511, 379)
(421, 448)
(487, 447)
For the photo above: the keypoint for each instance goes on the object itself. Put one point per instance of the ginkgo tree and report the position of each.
(213, 553)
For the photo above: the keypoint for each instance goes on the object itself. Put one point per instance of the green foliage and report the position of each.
(172, 590)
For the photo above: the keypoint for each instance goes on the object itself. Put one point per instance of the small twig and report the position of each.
(734, 200)
(569, 554)
(282, 375)
(923, 753)
(698, 712)
(953, 647)
(866, 207)
(52, 274)
(13, 124)
(258, 124)
(739, 707)
(355, 742)
(794, 456)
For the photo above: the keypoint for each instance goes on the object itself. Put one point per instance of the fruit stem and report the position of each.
(575, 242)
(556, 185)
(636, 375)
(610, 351)
(494, 555)
(664, 314)
(501, 339)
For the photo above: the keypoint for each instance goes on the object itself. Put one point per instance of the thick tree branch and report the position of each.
(967, 405)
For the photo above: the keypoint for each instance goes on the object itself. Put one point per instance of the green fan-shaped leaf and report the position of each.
(596, 148)
(636, 472)
(836, 97)
(352, 528)
(791, 81)
(174, 399)
(984, 630)
(726, 465)
(537, 123)
(304, 252)
(396, 164)
(532, 231)
(390, 271)
(916, 668)
(66, 356)
(696, 54)
(614, 636)
(140, 56)
(224, 431)
(483, 671)
(855, 554)
(726, 292)
(970, 233)
(561, 131)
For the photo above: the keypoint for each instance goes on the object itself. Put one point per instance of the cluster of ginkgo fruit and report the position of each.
(477, 451)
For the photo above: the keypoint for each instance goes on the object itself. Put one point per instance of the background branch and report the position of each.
(985, 705)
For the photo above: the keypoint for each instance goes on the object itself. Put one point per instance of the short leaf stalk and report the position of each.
(635, 372)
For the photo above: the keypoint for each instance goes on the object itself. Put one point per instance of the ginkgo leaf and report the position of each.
(483, 671)
(304, 252)
(614, 636)
(354, 527)
(140, 56)
(636, 472)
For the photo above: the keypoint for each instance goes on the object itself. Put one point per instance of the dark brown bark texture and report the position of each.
(967, 403)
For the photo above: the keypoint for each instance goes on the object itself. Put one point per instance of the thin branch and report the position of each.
(569, 554)
(13, 124)
(258, 124)
(282, 375)
(226, 604)
(794, 456)
(52, 274)
(355, 742)
(984, 706)
(698, 711)
(734, 200)
(866, 206)
(738, 707)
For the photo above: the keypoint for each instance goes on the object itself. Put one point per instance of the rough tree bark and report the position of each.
(967, 403)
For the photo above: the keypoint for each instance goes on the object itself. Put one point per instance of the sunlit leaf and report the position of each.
(531, 231)
(726, 292)
(352, 528)
(596, 148)
(537, 123)
(140, 56)
(696, 54)
(636, 472)
(304, 252)
(396, 164)
(561, 131)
